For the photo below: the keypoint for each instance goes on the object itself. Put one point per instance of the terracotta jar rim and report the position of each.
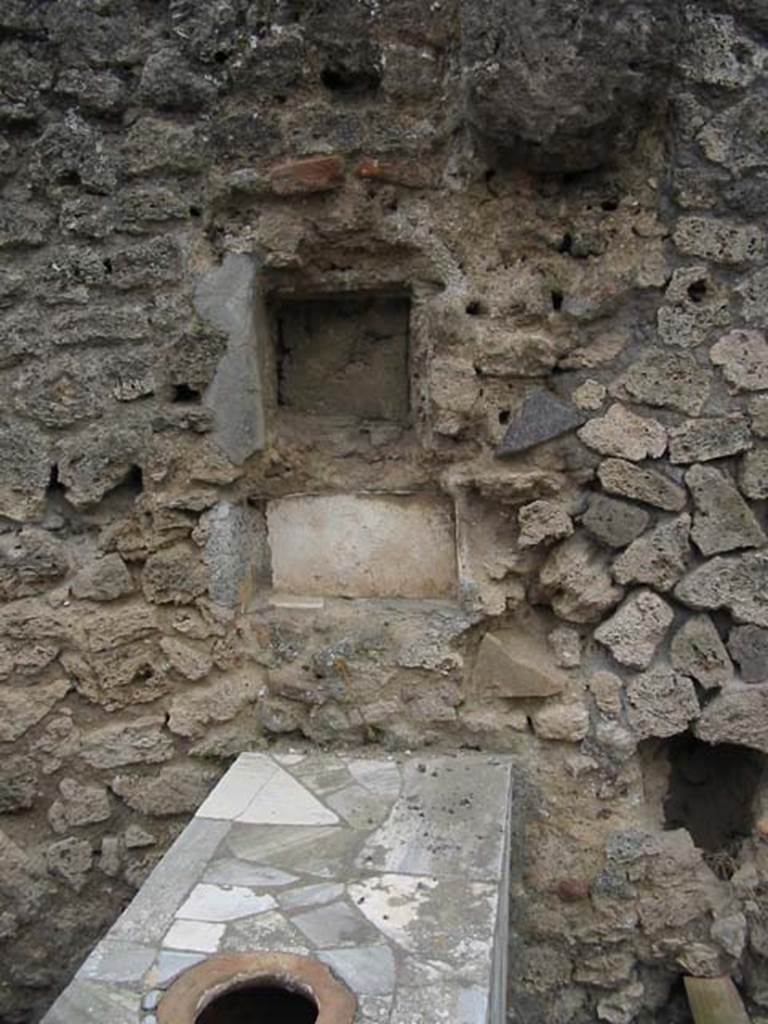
(199, 986)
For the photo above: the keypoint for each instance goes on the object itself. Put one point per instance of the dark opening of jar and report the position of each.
(259, 1004)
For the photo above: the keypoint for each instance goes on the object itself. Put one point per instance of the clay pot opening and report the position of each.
(257, 988)
(265, 1000)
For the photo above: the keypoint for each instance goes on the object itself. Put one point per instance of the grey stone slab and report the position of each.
(445, 1003)
(117, 961)
(230, 871)
(542, 417)
(150, 914)
(335, 924)
(450, 821)
(310, 895)
(271, 930)
(367, 970)
(169, 965)
(226, 298)
(434, 919)
(411, 911)
(327, 852)
(92, 1002)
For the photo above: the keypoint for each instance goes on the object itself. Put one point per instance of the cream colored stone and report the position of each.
(566, 722)
(363, 545)
(512, 665)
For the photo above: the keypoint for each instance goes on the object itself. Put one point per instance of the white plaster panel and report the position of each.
(363, 545)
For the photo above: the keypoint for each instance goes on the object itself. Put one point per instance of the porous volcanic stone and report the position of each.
(615, 523)
(563, 85)
(661, 702)
(658, 558)
(736, 582)
(576, 580)
(635, 630)
(753, 473)
(647, 485)
(738, 714)
(697, 651)
(671, 380)
(705, 439)
(541, 417)
(625, 435)
(722, 521)
(749, 647)
(543, 522)
(743, 358)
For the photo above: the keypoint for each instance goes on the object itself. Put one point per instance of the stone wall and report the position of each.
(480, 290)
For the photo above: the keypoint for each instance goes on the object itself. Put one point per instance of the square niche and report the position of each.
(344, 355)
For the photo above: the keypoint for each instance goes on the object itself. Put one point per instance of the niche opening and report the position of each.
(711, 791)
(344, 355)
(253, 1003)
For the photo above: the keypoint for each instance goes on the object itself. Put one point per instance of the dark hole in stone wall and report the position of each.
(184, 393)
(711, 792)
(337, 77)
(344, 356)
(259, 1003)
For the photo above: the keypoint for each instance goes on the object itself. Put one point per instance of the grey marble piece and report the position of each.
(449, 822)
(352, 859)
(147, 918)
(113, 960)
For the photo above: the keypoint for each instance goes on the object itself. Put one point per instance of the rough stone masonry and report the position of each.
(391, 372)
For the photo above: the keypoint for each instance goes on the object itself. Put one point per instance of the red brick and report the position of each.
(396, 172)
(313, 174)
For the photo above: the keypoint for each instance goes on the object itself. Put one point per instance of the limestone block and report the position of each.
(23, 707)
(565, 644)
(70, 860)
(194, 709)
(697, 651)
(175, 789)
(633, 633)
(30, 562)
(174, 575)
(509, 664)
(79, 805)
(191, 662)
(103, 579)
(18, 784)
(568, 723)
(138, 741)
(722, 520)
(542, 522)
(363, 545)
